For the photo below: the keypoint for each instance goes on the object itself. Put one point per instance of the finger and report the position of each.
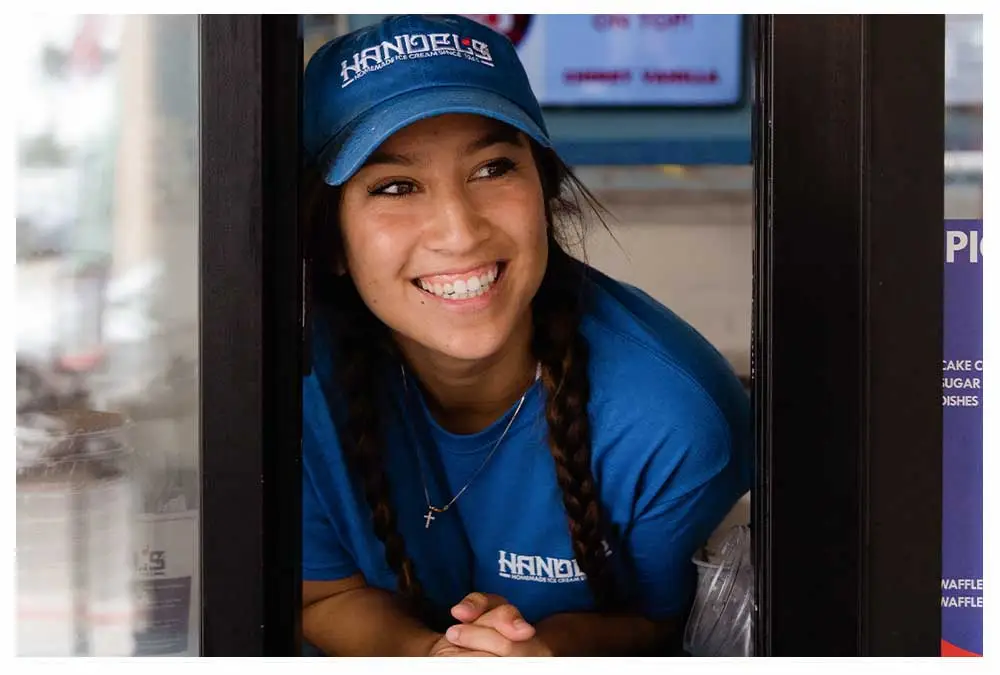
(508, 621)
(480, 639)
(474, 605)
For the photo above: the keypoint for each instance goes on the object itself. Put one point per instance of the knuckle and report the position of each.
(508, 612)
(505, 647)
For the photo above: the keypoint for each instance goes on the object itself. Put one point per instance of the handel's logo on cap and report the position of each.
(413, 46)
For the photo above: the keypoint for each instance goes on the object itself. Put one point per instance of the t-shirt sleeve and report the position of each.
(679, 512)
(324, 558)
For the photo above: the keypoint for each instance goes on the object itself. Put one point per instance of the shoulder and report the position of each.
(664, 402)
(641, 348)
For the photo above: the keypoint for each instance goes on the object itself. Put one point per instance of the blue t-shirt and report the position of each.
(671, 454)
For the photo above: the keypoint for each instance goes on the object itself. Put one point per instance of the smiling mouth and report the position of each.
(465, 286)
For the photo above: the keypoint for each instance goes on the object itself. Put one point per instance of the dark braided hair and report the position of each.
(557, 343)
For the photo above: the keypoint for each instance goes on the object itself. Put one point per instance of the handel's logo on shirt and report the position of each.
(542, 569)
(413, 46)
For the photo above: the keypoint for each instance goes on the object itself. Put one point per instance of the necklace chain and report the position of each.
(431, 509)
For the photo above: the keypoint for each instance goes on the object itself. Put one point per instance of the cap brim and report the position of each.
(351, 148)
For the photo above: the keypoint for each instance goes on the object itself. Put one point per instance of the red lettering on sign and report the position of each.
(514, 26)
(665, 21)
(603, 76)
(680, 76)
(610, 21)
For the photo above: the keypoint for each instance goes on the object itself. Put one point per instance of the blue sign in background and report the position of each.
(962, 562)
(636, 45)
(648, 136)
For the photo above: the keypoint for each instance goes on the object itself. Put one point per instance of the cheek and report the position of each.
(377, 254)
(521, 214)
(536, 236)
(370, 257)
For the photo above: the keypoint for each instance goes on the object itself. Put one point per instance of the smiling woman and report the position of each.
(505, 452)
(444, 231)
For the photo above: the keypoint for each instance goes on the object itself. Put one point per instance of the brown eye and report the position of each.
(495, 168)
(393, 189)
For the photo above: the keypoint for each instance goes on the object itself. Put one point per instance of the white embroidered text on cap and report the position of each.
(410, 46)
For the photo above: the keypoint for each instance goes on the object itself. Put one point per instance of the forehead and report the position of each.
(448, 132)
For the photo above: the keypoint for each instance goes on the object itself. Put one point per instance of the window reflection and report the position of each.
(963, 127)
(107, 335)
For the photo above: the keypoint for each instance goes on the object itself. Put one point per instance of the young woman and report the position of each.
(505, 452)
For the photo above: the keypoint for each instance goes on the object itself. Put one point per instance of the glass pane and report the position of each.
(963, 126)
(107, 336)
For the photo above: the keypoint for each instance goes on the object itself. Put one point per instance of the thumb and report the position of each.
(508, 621)
(474, 605)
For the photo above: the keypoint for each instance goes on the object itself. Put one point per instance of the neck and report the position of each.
(467, 396)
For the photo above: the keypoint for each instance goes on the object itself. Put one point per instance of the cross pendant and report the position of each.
(428, 518)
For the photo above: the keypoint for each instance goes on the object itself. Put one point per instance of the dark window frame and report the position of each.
(849, 180)
(251, 344)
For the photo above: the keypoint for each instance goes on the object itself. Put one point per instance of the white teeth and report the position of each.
(461, 289)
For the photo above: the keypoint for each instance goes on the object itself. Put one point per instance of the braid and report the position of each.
(362, 342)
(563, 353)
(364, 445)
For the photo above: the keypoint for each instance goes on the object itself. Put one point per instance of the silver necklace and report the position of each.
(431, 509)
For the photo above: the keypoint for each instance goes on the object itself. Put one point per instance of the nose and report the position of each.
(457, 227)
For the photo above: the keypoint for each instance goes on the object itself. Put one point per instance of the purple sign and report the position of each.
(962, 374)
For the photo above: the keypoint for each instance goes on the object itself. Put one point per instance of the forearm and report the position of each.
(593, 634)
(365, 622)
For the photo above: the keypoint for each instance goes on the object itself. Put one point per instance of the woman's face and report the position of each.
(445, 234)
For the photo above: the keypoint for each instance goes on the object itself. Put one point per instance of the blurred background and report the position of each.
(107, 275)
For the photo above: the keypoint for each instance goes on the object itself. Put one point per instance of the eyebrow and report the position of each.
(382, 157)
(500, 135)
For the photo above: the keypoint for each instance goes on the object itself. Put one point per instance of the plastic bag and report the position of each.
(721, 621)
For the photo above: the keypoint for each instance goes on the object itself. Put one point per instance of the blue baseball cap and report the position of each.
(361, 88)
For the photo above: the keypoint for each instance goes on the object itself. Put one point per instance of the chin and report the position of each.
(462, 345)
(467, 350)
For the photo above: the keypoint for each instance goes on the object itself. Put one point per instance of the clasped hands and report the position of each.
(490, 626)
